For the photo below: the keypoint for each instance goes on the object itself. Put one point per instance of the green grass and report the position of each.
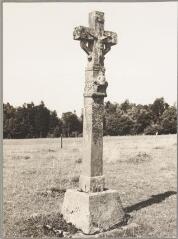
(37, 172)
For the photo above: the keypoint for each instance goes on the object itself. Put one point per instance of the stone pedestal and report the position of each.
(92, 212)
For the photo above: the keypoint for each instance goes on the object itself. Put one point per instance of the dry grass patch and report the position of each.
(18, 157)
(51, 150)
(53, 192)
(141, 157)
(29, 172)
(131, 166)
(79, 160)
(75, 179)
(158, 147)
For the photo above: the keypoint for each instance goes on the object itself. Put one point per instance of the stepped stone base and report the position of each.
(92, 212)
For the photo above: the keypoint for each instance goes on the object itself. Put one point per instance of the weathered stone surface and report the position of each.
(94, 40)
(92, 212)
(83, 33)
(91, 208)
(92, 164)
(95, 82)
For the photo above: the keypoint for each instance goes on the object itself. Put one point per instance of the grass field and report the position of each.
(142, 168)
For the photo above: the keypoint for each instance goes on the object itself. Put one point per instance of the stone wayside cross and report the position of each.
(92, 208)
(96, 42)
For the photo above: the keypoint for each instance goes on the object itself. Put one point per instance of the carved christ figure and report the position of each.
(96, 50)
(94, 40)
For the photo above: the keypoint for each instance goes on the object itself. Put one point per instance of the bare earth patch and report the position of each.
(37, 172)
(47, 225)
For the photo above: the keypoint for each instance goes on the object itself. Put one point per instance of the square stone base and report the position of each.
(92, 212)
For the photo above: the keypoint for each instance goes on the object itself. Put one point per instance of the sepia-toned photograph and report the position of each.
(89, 119)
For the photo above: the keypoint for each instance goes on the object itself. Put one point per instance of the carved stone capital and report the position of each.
(95, 82)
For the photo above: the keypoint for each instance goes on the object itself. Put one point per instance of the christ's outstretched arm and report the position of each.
(84, 46)
(107, 49)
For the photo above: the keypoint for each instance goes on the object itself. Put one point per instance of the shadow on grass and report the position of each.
(152, 200)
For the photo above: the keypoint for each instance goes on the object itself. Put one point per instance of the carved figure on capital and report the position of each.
(100, 85)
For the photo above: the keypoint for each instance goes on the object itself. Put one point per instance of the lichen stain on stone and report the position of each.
(97, 119)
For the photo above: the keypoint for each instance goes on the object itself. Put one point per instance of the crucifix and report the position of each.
(93, 208)
(96, 42)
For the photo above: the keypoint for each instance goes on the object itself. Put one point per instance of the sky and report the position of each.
(41, 61)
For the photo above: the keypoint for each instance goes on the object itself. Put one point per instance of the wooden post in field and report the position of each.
(61, 141)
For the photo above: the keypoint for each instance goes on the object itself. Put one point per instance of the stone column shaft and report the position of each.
(92, 178)
(93, 137)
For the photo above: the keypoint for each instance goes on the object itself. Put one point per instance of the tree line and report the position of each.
(37, 121)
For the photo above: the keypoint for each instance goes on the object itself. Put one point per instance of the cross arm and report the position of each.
(110, 38)
(83, 33)
(86, 37)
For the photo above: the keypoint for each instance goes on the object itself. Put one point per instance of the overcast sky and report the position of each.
(43, 62)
